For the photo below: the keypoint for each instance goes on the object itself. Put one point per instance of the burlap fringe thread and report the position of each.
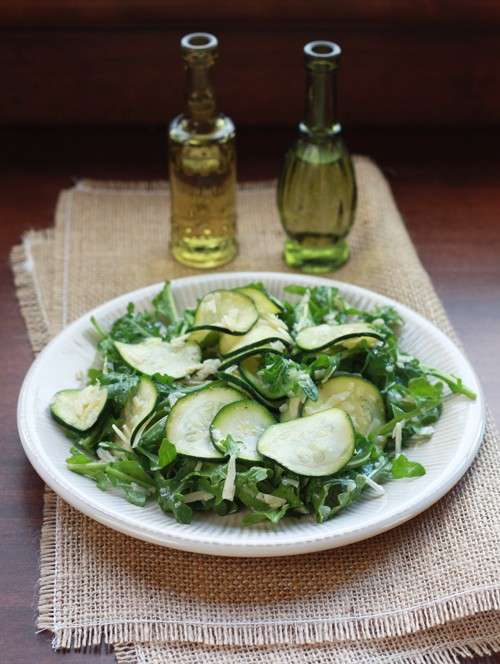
(130, 654)
(47, 562)
(260, 635)
(29, 299)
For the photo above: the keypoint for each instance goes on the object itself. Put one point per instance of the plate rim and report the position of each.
(247, 549)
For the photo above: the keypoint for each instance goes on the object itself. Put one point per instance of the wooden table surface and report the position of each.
(447, 185)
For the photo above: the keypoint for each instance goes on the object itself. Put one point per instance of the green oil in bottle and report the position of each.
(317, 187)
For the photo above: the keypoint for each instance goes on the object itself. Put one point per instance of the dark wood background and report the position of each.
(116, 62)
(87, 87)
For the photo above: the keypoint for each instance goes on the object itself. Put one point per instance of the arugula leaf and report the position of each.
(329, 496)
(455, 384)
(282, 375)
(164, 305)
(170, 498)
(130, 470)
(151, 439)
(363, 452)
(127, 475)
(247, 486)
(82, 465)
(230, 447)
(134, 326)
(322, 366)
(403, 467)
(167, 453)
(264, 515)
(120, 384)
(317, 305)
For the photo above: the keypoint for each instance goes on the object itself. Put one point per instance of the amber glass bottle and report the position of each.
(317, 188)
(202, 165)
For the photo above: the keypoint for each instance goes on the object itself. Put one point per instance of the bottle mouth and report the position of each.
(322, 50)
(199, 41)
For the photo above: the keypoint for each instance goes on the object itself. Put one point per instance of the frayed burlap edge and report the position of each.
(26, 289)
(46, 586)
(131, 653)
(412, 620)
(36, 323)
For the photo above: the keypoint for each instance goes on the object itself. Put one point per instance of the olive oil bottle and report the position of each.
(317, 187)
(202, 164)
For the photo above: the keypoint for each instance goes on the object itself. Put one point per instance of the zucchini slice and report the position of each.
(313, 446)
(225, 311)
(237, 380)
(292, 409)
(156, 356)
(245, 421)
(138, 408)
(204, 338)
(267, 329)
(251, 352)
(322, 336)
(360, 399)
(188, 425)
(79, 409)
(263, 303)
(248, 369)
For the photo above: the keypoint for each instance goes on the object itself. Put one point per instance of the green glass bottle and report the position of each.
(202, 166)
(317, 187)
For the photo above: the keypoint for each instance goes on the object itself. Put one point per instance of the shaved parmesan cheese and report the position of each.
(379, 490)
(277, 346)
(197, 495)
(397, 434)
(104, 455)
(424, 433)
(207, 368)
(304, 320)
(81, 378)
(330, 318)
(173, 398)
(274, 502)
(273, 321)
(121, 435)
(179, 342)
(229, 485)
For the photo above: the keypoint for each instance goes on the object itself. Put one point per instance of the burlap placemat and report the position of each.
(95, 583)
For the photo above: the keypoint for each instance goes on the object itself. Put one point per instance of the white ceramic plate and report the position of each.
(446, 457)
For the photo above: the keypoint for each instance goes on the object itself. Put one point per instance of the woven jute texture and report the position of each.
(414, 581)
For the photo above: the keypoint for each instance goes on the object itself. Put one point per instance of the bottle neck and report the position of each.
(321, 102)
(201, 107)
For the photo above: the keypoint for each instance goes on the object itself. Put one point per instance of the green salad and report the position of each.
(247, 403)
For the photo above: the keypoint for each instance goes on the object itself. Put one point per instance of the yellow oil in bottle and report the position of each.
(202, 164)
